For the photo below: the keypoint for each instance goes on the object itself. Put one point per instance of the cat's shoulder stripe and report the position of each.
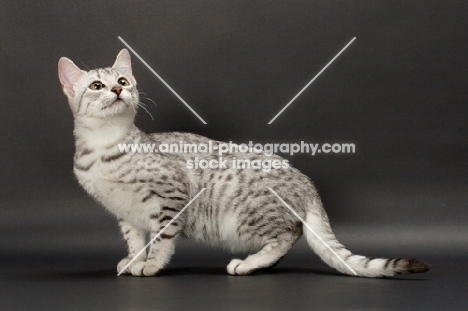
(83, 168)
(112, 157)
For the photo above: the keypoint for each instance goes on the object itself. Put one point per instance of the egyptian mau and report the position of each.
(147, 190)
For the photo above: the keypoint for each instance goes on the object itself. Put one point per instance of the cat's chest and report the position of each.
(98, 170)
(125, 183)
(109, 177)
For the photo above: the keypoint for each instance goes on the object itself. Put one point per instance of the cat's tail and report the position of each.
(322, 240)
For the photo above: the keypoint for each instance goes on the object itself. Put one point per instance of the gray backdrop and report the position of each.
(398, 92)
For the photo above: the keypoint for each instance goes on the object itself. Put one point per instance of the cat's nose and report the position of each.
(117, 90)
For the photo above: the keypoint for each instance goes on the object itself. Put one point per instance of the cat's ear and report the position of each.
(69, 75)
(123, 63)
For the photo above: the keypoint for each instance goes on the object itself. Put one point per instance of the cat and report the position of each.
(241, 209)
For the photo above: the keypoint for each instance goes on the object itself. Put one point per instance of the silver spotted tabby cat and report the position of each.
(145, 191)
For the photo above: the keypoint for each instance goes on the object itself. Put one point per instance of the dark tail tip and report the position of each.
(416, 266)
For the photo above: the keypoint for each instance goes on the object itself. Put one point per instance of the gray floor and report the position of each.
(52, 262)
(196, 280)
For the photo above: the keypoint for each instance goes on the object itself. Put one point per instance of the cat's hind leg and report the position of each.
(268, 256)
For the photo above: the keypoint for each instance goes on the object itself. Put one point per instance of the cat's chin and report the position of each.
(113, 104)
(117, 108)
(112, 113)
(119, 115)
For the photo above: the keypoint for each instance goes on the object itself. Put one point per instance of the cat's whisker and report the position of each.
(142, 105)
(144, 97)
(155, 105)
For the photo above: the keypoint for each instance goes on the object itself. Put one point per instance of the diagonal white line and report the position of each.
(162, 80)
(313, 231)
(160, 232)
(316, 76)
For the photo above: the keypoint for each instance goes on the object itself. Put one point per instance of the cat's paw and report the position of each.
(238, 267)
(122, 264)
(145, 268)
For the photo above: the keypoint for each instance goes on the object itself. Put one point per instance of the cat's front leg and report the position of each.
(162, 246)
(136, 241)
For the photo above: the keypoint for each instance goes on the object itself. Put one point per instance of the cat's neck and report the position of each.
(98, 133)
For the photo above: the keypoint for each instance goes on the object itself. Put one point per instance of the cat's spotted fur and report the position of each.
(146, 191)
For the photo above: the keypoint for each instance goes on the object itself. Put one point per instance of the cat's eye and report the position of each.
(123, 82)
(96, 86)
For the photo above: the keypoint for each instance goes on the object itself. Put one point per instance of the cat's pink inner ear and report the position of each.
(69, 75)
(123, 63)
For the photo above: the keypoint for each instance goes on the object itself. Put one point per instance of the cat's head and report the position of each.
(100, 93)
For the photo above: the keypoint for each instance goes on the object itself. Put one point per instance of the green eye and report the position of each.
(123, 82)
(96, 86)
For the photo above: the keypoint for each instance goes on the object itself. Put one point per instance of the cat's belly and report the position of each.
(222, 231)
